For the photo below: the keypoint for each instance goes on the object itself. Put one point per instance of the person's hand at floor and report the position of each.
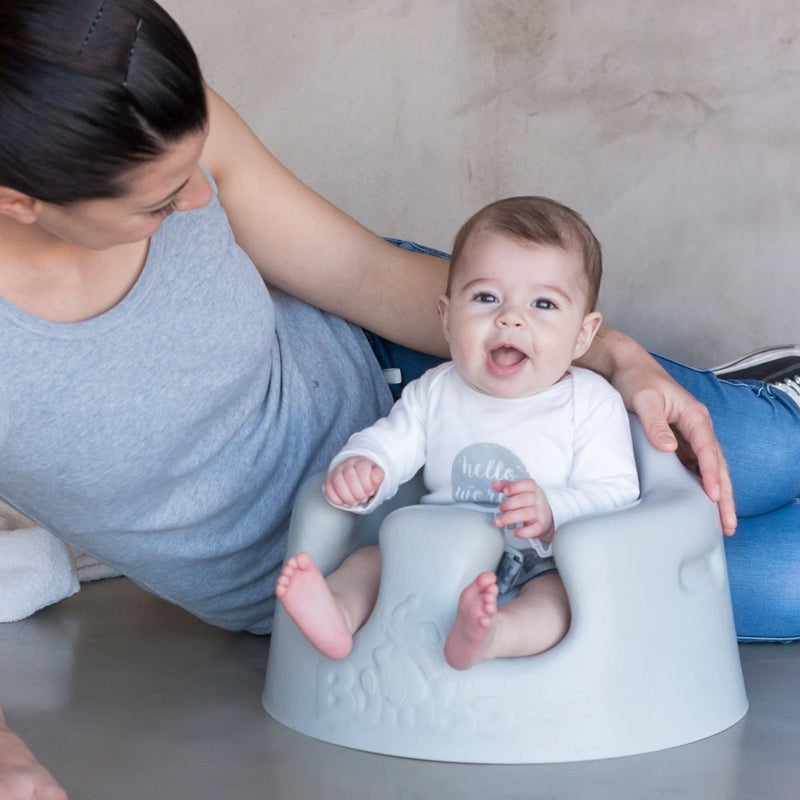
(22, 777)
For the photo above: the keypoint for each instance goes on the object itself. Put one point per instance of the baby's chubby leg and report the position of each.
(329, 611)
(534, 621)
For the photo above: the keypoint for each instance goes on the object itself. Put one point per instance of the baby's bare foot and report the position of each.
(305, 595)
(474, 625)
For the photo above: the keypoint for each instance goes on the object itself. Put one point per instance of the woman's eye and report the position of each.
(166, 210)
(484, 297)
(544, 304)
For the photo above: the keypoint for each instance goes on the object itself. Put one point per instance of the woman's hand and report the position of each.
(21, 775)
(672, 418)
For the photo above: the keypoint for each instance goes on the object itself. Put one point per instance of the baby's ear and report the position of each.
(444, 313)
(589, 327)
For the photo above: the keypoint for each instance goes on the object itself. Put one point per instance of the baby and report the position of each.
(508, 426)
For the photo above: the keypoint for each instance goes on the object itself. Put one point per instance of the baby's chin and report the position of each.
(506, 389)
(517, 384)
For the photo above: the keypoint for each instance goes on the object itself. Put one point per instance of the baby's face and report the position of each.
(516, 315)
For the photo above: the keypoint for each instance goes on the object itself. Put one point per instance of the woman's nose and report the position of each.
(196, 194)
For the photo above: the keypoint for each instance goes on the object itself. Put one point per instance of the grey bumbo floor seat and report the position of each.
(650, 660)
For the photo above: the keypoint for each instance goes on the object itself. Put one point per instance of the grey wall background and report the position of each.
(672, 127)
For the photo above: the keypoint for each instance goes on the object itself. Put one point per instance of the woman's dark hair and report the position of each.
(89, 89)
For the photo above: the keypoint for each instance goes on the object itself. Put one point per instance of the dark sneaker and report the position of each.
(779, 366)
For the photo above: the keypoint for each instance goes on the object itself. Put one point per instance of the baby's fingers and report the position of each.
(512, 488)
(520, 516)
(374, 478)
(337, 490)
(529, 500)
(533, 529)
(353, 482)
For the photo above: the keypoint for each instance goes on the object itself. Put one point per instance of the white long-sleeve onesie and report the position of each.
(573, 439)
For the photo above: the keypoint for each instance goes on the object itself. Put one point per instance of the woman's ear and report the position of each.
(444, 313)
(589, 327)
(20, 207)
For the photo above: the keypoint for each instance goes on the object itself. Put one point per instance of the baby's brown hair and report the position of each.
(538, 220)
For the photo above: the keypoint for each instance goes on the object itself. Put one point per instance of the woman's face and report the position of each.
(156, 189)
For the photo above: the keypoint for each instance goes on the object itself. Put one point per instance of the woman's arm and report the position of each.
(304, 245)
(665, 409)
(21, 775)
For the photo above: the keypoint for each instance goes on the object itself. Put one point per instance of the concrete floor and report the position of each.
(123, 696)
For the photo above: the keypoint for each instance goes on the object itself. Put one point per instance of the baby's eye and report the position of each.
(484, 297)
(544, 304)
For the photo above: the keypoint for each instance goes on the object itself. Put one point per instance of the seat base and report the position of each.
(650, 660)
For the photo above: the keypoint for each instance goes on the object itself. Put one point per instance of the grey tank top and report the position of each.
(168, 436)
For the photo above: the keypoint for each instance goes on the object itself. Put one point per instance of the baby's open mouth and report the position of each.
(507, 356)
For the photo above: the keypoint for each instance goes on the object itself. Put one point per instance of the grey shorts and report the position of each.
(520, 566)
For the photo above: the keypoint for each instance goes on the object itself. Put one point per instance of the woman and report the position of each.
(159, 403)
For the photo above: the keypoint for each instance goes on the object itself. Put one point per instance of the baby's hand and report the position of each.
(353, 482)
(525, 505)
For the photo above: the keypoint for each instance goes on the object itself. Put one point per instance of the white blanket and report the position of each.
(37, 569)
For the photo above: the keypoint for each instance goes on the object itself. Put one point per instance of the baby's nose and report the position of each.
(510, 318)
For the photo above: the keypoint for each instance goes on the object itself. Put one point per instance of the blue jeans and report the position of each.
(759, 429)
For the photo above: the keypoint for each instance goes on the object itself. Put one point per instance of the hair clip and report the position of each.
(130, 55)
(92, 27)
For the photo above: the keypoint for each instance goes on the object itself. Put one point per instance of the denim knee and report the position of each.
(759, 429)
(764, 571)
